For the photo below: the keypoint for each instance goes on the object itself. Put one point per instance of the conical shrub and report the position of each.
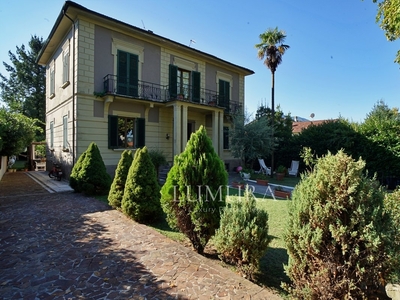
(76, 169)
(242, 237)
(338, 236)
(118, 185)
(195, 190)
(141, 200)
(93, 177)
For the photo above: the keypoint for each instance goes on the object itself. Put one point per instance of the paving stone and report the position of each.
(69, 246)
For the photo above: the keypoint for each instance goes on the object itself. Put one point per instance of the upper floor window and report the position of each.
(125, 132)
(184, 84)
(127, 74)
(65, 68)
(52, 82)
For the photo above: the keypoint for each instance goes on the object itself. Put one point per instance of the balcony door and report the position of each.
(127, 74)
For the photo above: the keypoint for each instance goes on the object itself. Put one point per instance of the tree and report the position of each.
(250, 140)
(93, 177)
(118, 185)
(388, 17)
(24, 91)
(339, 236)
(141, 200)
(271, 49)
(16, 132)
(283, 135)
(381, 128)
(195, 190)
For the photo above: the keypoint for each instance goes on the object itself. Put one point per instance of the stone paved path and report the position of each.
(68, 246)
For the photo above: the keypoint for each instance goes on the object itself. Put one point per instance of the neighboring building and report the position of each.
(123, 87)
(297, 127)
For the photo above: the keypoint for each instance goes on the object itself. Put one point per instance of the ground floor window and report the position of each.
(226, 138)
(125, 132)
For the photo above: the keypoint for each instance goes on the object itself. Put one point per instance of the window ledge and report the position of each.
(65, 84)
(52, 95)
(122, 149)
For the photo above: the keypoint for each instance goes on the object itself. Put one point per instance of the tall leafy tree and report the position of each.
(271, 49)
(24, 90)
(389, 21)
(16, 132)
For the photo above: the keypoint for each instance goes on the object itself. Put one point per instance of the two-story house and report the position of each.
(123, 87)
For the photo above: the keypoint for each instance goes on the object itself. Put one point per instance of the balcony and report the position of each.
(158, 93)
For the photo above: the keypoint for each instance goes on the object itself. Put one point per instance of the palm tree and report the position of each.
(271, 49)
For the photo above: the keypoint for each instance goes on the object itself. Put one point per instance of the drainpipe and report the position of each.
(73, 89)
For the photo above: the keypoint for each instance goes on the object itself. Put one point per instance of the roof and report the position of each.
(71, 11)
(297, 127)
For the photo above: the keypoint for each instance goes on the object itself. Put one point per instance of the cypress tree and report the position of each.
(195, 190)
(74, 177)
(93, 177)
(118, 185)
(141, 200)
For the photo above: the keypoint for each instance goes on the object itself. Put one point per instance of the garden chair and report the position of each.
(263, 167)
(294, 168)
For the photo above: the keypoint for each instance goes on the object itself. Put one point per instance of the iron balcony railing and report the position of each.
(160, 93)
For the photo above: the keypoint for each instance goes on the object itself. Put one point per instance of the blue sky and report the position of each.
(339, 62)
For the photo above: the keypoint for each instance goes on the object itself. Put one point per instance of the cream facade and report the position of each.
(123, 87)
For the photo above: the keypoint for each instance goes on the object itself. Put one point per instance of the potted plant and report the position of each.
(280, 172)
(238, 184)
(281, 193)
(246, 173)
(261, 179)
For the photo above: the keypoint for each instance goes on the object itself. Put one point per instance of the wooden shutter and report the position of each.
(122, 74)
(195, 86)
(224, 90)
(133, 76)
(112, 132)
(140, 132)
(173, 74)
(127, 74)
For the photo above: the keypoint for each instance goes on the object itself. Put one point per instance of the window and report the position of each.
(226, 138)
(65, 68)
(184, 84)
(127, 74)
(125, 132)
(51, 135)
(52, 83)
(65, 132)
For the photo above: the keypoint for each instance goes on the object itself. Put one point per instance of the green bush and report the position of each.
(338, 236)
(118, 185)
(74, 177)
(141, 200)
(195, 190)
(157, 158)
(392, 206)
(242, 238)
(93, 177)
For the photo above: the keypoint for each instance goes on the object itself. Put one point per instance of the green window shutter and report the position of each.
(195, 86)
(122, 74)
(133, 78)
(224, 90)
(173, 74)
(127, 73)
(140, 132)
(112, 132)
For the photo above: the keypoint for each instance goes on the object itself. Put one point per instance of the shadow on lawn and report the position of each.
(272, 269)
